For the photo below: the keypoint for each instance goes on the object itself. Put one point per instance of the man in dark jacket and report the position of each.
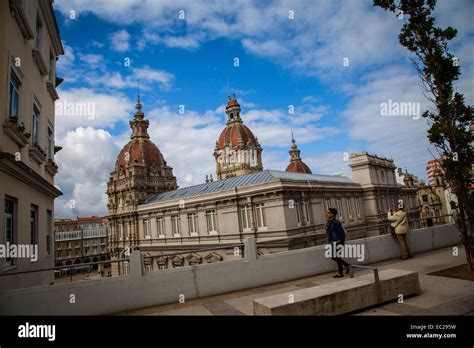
(336, 236)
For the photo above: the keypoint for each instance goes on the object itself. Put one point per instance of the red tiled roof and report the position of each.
(298, 167)
(151, 152)
(230, 135)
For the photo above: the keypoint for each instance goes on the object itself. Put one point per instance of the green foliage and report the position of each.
(438, 69)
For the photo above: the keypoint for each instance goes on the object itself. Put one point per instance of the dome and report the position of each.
(298, 167)
(296, 164)
(150, 156)
(236, 134)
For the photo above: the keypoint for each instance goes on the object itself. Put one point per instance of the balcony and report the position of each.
(52, 90)
(51, 167)
(37, 153)
(16, 131)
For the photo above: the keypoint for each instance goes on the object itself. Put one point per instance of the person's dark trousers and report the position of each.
(340, 261)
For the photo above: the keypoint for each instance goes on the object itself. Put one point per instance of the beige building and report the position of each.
(30, 45)
(246, 201)
(80, 240)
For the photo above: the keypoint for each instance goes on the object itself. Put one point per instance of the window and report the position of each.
(211, 218)
(50, 144)
(298, 213)
(245, 217)
(349, 208)
(125, 230)
(49, 231)
(424, 198)
(120, 231)
(58, 254)
(175, 226)
(160, 224)
(51, 75)
(305, 212)
(35, 124)
(328, 204)
(260, 212)
(339, 209)
(147, 229)
(39, 32)
(357, 202)
(33, 225)
(14, 94)
(10, 218)
(193, 224)
(382, 203)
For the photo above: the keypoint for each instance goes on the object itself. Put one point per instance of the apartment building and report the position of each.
(30, 46)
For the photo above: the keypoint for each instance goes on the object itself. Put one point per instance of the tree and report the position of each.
(449, 122)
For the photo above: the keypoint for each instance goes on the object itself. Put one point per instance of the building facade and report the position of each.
(80, 240)
(30, 46)
(250, 201)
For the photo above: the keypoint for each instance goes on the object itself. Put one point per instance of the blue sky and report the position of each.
(282, 61)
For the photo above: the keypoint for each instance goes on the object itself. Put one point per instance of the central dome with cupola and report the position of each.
(140, 168)
(237, 150)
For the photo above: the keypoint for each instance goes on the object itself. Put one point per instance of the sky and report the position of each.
(334, 62)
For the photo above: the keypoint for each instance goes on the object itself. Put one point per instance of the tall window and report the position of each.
(357, 202)
(120, 231)
(339, 209)
(305, 211)
(14, 94)
(382, 203)
(147, 229)
(33, 224)
(298, 213)
(51, 75)
(49, 231)
(328, 204)
(260, 215)
(160, 226)
(125, 230)
(175, 226)
(349, 207)
(9, 217)
(35, 124)
(193, 223)
(245, 217)
(39, 32)
(211, 218)
(50, 143)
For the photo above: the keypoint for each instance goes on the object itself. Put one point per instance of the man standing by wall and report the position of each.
(399, 222)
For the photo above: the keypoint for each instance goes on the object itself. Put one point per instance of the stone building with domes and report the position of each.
(171, 226)
(237, 150)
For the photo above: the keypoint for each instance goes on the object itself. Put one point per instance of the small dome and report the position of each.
(296, 164)
(298, 167)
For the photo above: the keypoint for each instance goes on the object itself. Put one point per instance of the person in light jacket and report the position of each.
(399, 221)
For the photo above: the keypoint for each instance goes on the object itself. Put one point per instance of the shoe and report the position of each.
(348, 268)
(339, 276)
(403, 257)
(410, 256)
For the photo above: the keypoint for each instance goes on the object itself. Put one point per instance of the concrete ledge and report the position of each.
(340, 297)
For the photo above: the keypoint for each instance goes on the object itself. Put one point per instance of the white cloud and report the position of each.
(87, 157)
(88, 108)
(120, 41)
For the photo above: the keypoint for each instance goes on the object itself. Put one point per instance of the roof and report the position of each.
(242, 181)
